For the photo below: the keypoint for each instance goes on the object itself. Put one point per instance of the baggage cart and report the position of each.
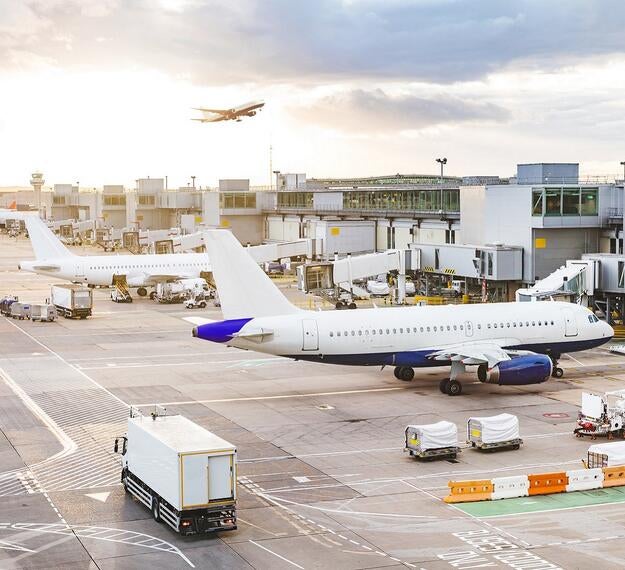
(44, 312)
(490, 433)
(606, 454)
(20, 311)
(432, 441)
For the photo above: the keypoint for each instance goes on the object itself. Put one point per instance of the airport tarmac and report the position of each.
(323, 481)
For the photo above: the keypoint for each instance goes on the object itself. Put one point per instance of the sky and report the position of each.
(101, 91)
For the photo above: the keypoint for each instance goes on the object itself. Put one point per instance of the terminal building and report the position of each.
(498, 234)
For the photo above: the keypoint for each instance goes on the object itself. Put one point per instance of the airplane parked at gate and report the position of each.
(234, 114)
(145, 270)
(510, 343)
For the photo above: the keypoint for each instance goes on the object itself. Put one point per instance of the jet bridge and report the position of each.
(329, 277)
(577, 281)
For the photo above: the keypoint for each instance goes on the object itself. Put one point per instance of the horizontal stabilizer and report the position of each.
(199, 321)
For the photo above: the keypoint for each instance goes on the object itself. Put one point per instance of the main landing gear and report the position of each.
(451, 386)
(405, 373)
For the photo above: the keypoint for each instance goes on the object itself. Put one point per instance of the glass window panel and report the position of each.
(553, 198)
(537, 202)
(570, 202)
(589, 202)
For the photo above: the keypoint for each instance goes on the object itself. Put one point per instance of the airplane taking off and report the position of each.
(510, 343)
(234, 114)
(145, 270)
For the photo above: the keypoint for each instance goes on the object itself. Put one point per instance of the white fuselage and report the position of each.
(405, 336)
(140, 270)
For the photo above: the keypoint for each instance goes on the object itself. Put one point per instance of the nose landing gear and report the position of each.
(556, 371)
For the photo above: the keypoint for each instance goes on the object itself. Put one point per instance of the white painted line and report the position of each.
(575, 359)
(278, 397)
(69, 364)
(277, 555)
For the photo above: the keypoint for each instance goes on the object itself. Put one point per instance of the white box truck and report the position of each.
(72, 301)
(184, 473)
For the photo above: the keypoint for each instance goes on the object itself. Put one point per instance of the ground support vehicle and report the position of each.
(5, 305)
(72, 301)
(183, 473)
(432, 441)
(601, 415)
(494, 432)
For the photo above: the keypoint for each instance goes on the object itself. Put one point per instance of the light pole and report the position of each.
(623, 165)
(442, 162)
(277, 173)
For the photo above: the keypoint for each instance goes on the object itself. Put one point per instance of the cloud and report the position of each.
(220, 41)
(360, 110)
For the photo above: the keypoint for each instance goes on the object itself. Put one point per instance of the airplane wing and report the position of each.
(489, 353)
(212, 120)
(216, 111)
(165, 277)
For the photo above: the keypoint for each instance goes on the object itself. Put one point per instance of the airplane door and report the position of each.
(570, 324)
(310, 335)
(80, 270)
(468, 328)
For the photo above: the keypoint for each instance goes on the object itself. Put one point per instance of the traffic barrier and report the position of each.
(510, 487)
(469, 491)
(584, 479)
(547, 483)
(613, 476)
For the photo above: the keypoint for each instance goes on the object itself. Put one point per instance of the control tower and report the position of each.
(37, 181)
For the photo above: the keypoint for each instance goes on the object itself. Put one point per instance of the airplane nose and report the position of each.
(195, 332)
(609, 330)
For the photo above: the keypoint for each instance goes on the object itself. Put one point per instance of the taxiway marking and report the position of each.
(277, 555)
(277, 397)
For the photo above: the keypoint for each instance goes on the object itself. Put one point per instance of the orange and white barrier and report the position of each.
(535, 484)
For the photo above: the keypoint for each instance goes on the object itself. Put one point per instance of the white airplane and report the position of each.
(510, 343)
(146, 270)
(234, 114)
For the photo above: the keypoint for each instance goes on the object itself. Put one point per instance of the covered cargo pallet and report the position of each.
(494, 432)
(430, 441)
(606, 454)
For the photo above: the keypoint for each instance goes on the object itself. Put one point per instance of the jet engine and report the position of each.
(521, 370)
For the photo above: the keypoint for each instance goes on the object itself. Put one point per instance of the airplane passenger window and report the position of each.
(359, 333)
(338, 333)
(495, 325)
(461, 327)
(353, 333)
(331, 333)
(428, 329)
(514, 324)
(533, 323)
(373, 331)
(455, 327)
(388, 331)
(539, 323)
(401, 330)
(488, 325)
(394, 331)
(448, 328)
(420, 329)
(367, 332)
(520, 323)
(508, 325)
(345, 333)
(414, 329)
(479, 326)
(380, 331)
(501, 325)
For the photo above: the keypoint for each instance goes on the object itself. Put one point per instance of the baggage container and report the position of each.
(5, 305)
(185, 474)
(44, 312)
(20, 311)
(606, 454)
(494, 432)
(432, 441)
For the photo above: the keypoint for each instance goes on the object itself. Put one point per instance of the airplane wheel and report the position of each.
(557, 372)
(153, 295)
(443, 385)
(339, 306)
(454, 388)
(202, 305)
(405, 373)
(352, 306)
(142, 291)
(396, 372)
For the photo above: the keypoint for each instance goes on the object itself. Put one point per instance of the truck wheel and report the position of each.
(155, 509)
(202, 305)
